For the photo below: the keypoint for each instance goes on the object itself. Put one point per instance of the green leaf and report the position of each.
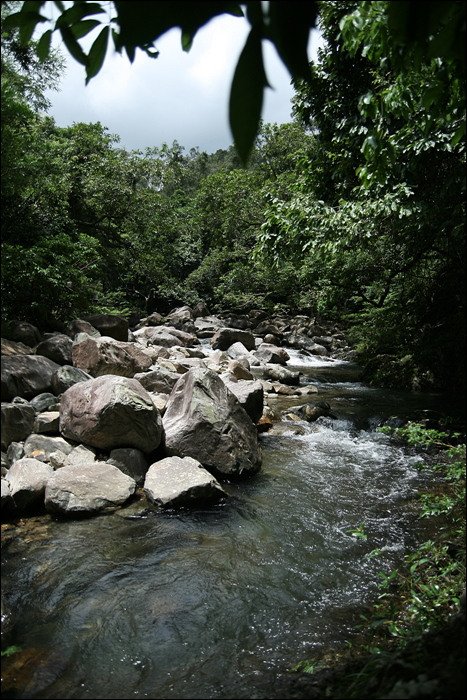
(142, 23)
(72, 45)
(246, 96)
(289, 28)
(77, 12)
(26, 22)
(43, 46)
(80, 29)
(97, 54)
(458, 135)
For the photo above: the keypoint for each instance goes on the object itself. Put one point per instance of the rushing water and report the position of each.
(219, 602)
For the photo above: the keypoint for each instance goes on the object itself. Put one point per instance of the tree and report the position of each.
(388, 247)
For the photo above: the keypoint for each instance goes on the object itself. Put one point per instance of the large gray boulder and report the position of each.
(17, 422)
(101, 356)
(57, 348)
(204, 420)
(111, 325)
(44, 402)
(225, 337)
(267, 328)
(86, 489)
(27, 479)
(175, 482)
(200, 310)
(110, 412)
(26, 375)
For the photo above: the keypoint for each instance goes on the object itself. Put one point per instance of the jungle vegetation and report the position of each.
(355, 210)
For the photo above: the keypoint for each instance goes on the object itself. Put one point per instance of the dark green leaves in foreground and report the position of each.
(246, 96)
(140, 24)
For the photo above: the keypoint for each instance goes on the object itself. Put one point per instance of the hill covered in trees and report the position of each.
(354, 211)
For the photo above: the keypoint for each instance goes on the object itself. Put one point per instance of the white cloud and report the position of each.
(179, 95)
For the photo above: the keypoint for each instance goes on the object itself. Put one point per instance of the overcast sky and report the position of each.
(182, 96)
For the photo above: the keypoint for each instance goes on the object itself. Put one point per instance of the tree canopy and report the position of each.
(355, 210)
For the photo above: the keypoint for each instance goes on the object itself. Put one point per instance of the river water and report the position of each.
(220, 602)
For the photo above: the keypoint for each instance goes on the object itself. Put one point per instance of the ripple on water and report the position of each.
(215, 602)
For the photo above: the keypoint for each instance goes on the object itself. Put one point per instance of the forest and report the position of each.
(354, 211)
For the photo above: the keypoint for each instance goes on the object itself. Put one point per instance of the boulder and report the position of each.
(153, 319)
(14, 452)
(131, 462)
(200, 310)
(325, 341)
(166, 336)
(24, 332)
(17, 423)
(225, 337)
(267, 328)
(47, 423)
(175, 482)
(110, 325)
(78, 455)
(57, 348)
(180, 316)
(238, 369)
(79, 326)
(6, 501)
(42, 402)
(238, 350)
(238, 321)
(41, 446)
(207, 326)
(250, 395)
(66, 376)
(26, 375)
(110, 412)
(86, 489)
(281, 374)
(272, 354)
(312, 412)
(204, 420)
(158, 380)
(27, 479)
(101, 356)
(303, 342)
(9, 347)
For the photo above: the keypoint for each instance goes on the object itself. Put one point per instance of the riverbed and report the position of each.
(221, 602)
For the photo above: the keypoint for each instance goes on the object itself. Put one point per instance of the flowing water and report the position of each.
(220, 602)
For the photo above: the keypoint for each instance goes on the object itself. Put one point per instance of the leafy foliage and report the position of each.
(355, 210)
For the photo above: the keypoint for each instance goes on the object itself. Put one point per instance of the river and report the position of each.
(220, 602)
